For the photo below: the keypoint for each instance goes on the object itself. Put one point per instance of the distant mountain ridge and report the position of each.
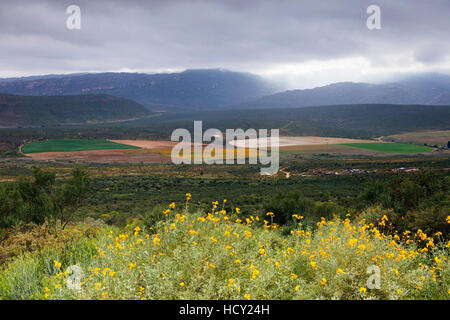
(431, 89)
(72, 109)
(37, 77)
(216, 89)
(191, 89)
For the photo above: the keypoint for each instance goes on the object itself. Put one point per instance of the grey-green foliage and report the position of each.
(41, 199)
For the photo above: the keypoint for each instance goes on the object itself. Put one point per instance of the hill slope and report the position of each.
(53, 110)
(358, 121)
(431, 89)
(191, 89)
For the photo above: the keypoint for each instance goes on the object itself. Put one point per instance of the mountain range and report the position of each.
(105, 97)
(215, 89)
(191, 89)
(427, 89)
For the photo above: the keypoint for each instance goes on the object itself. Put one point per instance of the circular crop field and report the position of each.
(67, 145)
(387, 147)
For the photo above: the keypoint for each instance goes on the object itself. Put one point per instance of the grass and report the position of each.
(390, 147)
(68, 145)
(215, 255)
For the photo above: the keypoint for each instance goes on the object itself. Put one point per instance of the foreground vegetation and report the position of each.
(221, 255)
(314, 239)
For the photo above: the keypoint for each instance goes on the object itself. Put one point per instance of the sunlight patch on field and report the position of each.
(298, 141)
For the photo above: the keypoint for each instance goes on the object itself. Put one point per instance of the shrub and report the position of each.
(38, 199)
(415, 201)
(285, 205)
(218, 256)
(35, 253)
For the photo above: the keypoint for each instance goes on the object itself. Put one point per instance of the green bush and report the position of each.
(285, 205)
(417, 201)
(41, 199)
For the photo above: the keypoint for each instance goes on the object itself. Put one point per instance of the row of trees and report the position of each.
(41, 198)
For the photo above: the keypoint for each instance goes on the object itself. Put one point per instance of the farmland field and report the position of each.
(67, 145)
(390, 147)
(300, 141)
(159, 151)
(440, 137)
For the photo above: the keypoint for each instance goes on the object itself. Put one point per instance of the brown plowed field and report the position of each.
(153, 151)
(104, 156)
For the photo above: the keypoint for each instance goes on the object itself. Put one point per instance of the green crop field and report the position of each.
(390, 147)
(67, 145)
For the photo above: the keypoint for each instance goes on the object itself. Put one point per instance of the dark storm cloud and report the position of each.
(235, 34)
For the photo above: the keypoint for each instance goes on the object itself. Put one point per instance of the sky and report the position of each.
(299, 43)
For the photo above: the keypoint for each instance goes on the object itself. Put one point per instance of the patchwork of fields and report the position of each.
(158, 151)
